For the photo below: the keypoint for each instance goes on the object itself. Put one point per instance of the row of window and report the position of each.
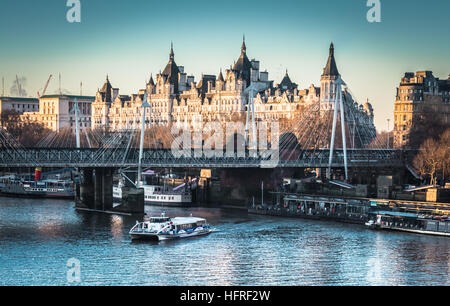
(160, 198)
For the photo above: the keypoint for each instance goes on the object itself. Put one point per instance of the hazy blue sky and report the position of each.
(129, 40)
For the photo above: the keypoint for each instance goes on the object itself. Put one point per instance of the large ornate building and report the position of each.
(177, 98)
(419, 93)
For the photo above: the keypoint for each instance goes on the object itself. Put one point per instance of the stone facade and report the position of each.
(19, 105)
(55, 112)
(177, 98)
(415, 94)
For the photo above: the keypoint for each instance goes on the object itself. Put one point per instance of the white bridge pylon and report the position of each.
(76, 111)
(145, 105)
(338, 107)
(251, 91)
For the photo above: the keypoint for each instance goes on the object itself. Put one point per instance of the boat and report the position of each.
(180, 196)
(165, 228)
(19, 187)
(409, 222)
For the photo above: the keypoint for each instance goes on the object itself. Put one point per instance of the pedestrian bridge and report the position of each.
(163, 158)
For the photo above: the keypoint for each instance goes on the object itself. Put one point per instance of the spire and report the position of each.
(106, 90)
(331, 68)
(151, 82)
(172, 54)
(220, 78)
(244, 47)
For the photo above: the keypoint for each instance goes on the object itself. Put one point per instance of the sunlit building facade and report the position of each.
(176, 98)
(417, 93)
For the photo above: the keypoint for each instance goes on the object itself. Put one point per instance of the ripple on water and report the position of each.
(37, 237)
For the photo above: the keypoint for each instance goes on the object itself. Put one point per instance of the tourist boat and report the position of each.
(409, 222)
(160, 195)
(14, 186)
(165, 228)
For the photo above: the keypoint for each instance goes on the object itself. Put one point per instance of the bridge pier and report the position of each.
(107, 189)
(96, 193)
(103, 189)
(98, 189)
(86, 198)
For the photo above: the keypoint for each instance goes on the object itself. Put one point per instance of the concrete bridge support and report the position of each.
(86, 196)
(98, 189)
(107, 189)
(96, 193)
(103, 189)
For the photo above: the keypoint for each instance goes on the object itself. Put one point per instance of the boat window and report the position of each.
(159, 220)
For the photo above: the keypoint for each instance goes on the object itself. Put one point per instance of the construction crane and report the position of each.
(45, 87)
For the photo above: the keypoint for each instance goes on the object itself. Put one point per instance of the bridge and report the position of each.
(165, 158)
(311, 140)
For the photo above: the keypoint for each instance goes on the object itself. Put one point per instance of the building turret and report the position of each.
(171, 71)
(220, 82)
(287, 84)
(151, 86)
(243, 66)
(106, 92)
(327, 82)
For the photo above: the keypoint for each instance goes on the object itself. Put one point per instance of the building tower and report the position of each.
(327, 82)
(243, 66)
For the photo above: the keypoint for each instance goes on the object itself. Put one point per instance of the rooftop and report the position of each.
(18, 99)
(68, 96)
(331, 68)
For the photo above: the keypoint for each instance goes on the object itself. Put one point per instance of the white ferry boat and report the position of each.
(160, 195)
(165, 228)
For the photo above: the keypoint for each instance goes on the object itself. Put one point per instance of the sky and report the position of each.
(129, 40)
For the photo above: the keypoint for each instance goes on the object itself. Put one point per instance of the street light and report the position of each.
(388, 134)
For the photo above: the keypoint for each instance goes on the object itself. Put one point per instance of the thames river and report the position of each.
(39, 237)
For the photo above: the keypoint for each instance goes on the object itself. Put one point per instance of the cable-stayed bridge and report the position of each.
(312, 140)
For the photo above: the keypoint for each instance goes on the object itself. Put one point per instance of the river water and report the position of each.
(38, 237)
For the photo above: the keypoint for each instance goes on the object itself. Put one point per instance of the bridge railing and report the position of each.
(121, 157)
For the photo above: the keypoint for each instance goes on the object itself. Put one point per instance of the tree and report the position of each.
(445, 148)
(434, 158)
(25, 131)
(426, 125)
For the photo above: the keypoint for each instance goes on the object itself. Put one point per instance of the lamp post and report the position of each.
(388, 134)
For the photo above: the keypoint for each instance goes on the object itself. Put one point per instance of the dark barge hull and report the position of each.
(343, 219)
(36, 196)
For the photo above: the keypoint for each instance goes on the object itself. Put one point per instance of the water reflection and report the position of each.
(38, 237)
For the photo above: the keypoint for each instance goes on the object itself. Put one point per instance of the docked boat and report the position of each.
(14, 186)
(165, 228)
(180, 196)
(409, 222)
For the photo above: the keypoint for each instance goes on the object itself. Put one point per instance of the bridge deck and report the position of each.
(118, 157)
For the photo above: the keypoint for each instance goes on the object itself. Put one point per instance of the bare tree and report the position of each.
(429, 159)
(25, 131)
(445, 154)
